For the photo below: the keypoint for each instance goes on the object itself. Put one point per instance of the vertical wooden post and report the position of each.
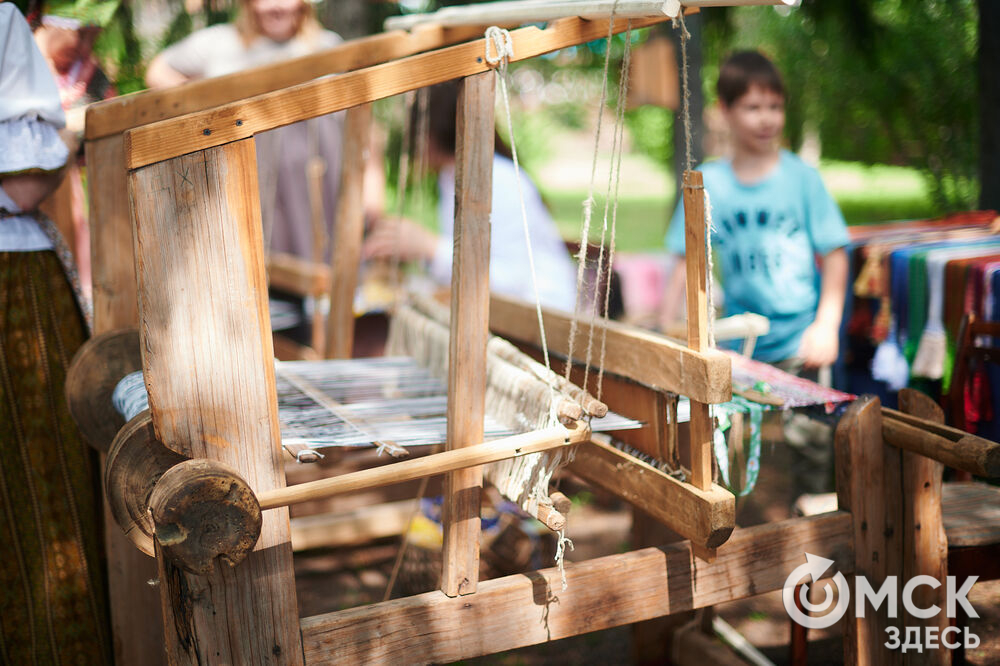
(870, 487)
(470, 313)
(115, 303)
(208, 364)
(348, 234)
(925, 545)
(136, 621)
(697, 320)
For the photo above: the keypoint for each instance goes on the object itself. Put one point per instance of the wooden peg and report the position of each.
(203, 511)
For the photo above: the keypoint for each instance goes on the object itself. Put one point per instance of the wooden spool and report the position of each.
(203, 510)
(96, 369)
(135, 463)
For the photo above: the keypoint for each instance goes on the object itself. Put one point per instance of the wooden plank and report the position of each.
(289, 272)
(702, 428)
(136, 622)
(209, 371)
(869, 486)
(706, 517)
(605, 592)
(361, 526)
(470, 303)
(695, 260)
(643, 356)
(122, 113)
(113, 267)
(972, 454)
(348, 234)
(238, 120)
(925, 545)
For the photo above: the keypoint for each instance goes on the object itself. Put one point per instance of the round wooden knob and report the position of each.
(204, 510)
(96, 369)
(135, 463)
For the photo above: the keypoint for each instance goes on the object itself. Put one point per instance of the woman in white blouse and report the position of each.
(52, 593)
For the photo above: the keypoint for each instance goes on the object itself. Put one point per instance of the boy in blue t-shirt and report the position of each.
(779, 237)
(779, 244)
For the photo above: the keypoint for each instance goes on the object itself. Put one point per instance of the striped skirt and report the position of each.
(53, 604)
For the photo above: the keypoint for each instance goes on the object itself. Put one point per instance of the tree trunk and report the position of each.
(989, 102)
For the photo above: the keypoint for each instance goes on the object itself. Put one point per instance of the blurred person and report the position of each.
(267, 31)
(510, 273)
(779, 243)
(65, 34)
(53, 596)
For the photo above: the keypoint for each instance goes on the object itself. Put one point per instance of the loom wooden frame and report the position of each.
(757, 559)
(115, 298)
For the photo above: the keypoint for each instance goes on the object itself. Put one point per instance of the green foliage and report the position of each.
(888, 81)
(119, 50)
(651, 129)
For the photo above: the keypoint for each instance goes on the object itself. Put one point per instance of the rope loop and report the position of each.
(503, 46)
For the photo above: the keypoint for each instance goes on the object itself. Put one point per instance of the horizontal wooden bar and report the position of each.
(213, 127)
(354, 528)
(123, 113)
(706, 517)
(970, 453)
(302, 277)
(519, 12)
(643, 356)
(527, 609)
(431, 465)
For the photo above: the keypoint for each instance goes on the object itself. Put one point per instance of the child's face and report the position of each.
(757, 120)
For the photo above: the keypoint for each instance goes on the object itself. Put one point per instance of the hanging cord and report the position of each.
(503, 51)
(615, 178)
(685, 86)
(688, 164)
(588, 204)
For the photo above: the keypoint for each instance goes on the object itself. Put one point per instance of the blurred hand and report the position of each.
(400, 238)
(820, 345)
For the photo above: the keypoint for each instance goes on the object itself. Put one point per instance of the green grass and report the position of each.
(865, 194)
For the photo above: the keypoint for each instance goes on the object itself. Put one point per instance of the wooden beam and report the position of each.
(209, 370)
(123, 113)
(302, 277)
(527, 609)
(136, 622)
(358, 527)
(113, 268)
(706, 517)
(643, 356)
(239, 120)
(519, 12)
(870, 488)
(925, 544)
(973, 454)
(349, 232)
(696, 260)
(470, 303)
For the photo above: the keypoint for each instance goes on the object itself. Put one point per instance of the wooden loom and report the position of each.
(209, 190)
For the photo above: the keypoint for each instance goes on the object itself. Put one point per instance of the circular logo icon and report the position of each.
(814, 568)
